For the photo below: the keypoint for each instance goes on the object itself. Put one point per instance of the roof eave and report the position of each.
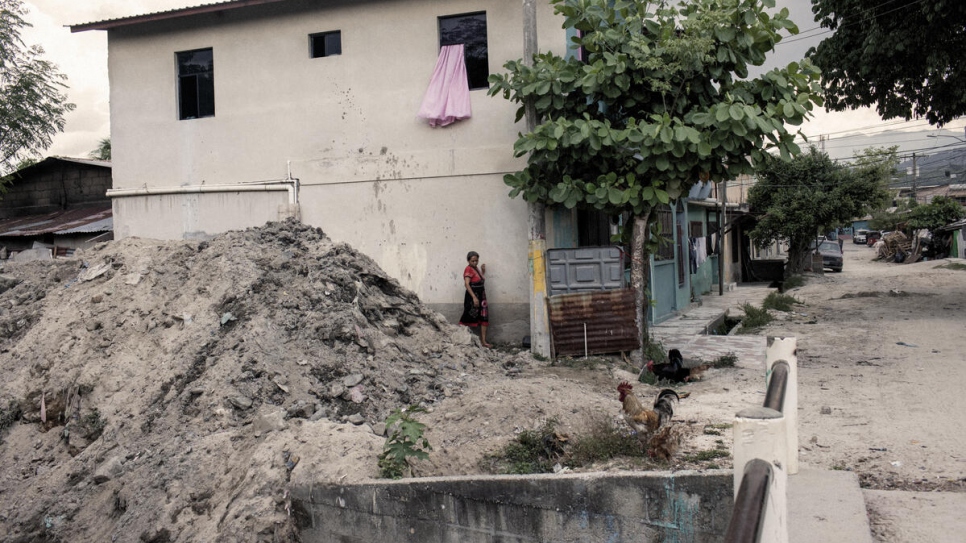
(166, 15)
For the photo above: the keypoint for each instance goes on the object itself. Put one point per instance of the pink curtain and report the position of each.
(447, 99)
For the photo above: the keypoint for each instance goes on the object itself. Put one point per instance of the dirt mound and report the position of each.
(166, 391)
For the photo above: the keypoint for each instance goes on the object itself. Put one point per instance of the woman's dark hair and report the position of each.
(471, 254)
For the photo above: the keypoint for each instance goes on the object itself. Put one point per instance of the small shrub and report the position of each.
(94, 424)
(605, 441)
(794, 281)
(779, 302)
(728, 360)
(755, 318)
(405, 441)
(533, 451)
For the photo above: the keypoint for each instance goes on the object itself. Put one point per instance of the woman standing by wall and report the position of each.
(475, 311)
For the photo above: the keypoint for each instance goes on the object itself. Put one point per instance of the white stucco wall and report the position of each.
(414, 198)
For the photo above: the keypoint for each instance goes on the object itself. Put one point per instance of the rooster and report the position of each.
(646, 421)
(674, 370)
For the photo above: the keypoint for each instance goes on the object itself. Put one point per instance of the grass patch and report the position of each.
(605, 441)
(728, 360)
(533, 451)
(755, 318)
(779, 302)
(953, 266)
(794, 281)
(704, 456)
(539, 450)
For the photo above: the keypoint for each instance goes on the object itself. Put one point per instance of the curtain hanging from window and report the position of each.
(447, 99)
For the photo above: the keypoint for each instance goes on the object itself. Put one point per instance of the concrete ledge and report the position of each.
(684, 507)
(826, 507)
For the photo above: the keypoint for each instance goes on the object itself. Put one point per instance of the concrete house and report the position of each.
(231, 114)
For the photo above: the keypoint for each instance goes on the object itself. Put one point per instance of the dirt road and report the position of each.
(881, 378)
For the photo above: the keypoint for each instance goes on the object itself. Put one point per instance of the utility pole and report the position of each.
(915, 179)
(536, 217)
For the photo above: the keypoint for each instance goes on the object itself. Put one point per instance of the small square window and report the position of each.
(470, 30)
(325, 44)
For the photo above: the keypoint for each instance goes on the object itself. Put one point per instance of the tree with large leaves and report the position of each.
(32, 99)
(902, 57)
(658, 99)
(941, 211)
(795, 200)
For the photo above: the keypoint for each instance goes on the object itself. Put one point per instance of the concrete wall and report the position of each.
(646, 507)
(415, 198)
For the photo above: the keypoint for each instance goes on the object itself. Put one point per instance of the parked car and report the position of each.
(872, 237)
(831, 255)
(860, 237)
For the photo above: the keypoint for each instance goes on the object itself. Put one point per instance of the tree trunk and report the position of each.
(639, 269)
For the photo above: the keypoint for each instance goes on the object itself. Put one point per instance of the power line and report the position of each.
(861, 21)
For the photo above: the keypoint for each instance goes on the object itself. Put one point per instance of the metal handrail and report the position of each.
(748, 514)
(775, 396)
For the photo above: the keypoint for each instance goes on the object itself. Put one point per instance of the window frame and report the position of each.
(198, 84)
(472, 65)
(324, 36)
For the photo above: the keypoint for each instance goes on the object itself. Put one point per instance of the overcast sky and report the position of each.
(83, 58)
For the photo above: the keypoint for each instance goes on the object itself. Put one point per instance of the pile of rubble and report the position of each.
(159, 392)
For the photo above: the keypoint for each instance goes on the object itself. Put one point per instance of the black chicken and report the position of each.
(674, 369)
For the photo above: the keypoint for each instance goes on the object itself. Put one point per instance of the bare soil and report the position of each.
(175, 391)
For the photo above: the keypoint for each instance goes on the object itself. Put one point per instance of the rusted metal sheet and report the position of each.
(593, 322)
(87, 220)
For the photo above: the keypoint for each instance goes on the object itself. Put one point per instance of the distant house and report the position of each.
(55, 206)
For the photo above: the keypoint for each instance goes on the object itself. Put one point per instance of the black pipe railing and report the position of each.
(748, 515)
(775, 396)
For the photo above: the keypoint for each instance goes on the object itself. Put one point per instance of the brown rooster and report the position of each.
(646, 421)
(660, 439)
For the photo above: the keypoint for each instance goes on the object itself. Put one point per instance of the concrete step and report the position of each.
(826, 507)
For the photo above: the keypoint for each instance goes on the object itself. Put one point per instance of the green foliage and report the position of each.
(405, 441)
(727, 360)
(533, 451)
(605, 441)
(32, 98)
(905, 58)
(755, 318)
(811, 193)
(794, 281)
(661, 100)
(890, 219)
(936, 214)
(103, 151)
(953, 266)
(706, 455)
(779, 302)
(94, 424)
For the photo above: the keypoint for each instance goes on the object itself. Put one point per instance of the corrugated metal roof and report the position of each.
(84, 220)
(167, 14)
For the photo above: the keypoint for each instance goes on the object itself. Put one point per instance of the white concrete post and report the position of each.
(759, 432)
(785, 348)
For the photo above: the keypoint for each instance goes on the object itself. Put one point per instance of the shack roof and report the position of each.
(213, 7)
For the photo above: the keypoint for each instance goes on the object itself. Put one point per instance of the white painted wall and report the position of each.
(414, 198)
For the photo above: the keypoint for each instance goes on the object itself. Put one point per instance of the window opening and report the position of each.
(196, 84)
(325, 44)
(665, 249)
(469, 30)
